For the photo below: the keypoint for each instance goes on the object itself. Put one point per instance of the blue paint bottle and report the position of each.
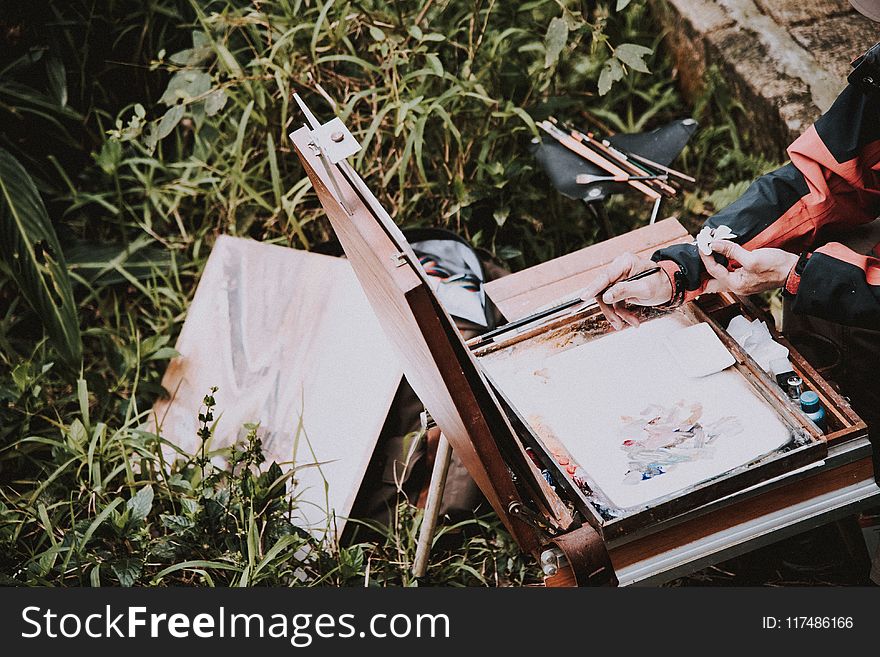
(811, 406)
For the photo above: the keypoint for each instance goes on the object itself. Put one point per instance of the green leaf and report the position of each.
(185, 86)
(111, 263)
(29, 247)
(175, 523)
(127, 570)
(215, 101)
(165, 353)
(723, 197)
(57, 76)
(376, 33)
(612, 71)
(284, 543)
(141, 503)
(76, 434)
(190, 565)
(229, 62)
(632, 55)
(99, 519)
(508, 252)
(554, 41)
(500, 215)
(23, 376)
(434, 64)
(82, 396)
(169, 121)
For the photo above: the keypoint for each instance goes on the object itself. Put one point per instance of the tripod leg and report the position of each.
(432, 506)
(599, 212)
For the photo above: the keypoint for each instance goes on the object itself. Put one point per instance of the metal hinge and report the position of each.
(522, 512)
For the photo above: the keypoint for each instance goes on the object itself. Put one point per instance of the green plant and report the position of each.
(136, 131)
(124, 507)
(33, 258)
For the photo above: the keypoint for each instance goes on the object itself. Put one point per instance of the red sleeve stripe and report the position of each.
(836, 193)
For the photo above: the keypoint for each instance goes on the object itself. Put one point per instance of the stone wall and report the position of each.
(784, 60)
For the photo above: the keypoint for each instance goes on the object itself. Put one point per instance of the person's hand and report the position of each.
(612, 296)
(761, 269)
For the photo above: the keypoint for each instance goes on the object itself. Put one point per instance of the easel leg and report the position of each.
(599, 212)
(432, 506)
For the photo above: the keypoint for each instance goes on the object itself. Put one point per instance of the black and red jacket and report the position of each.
(833, 179)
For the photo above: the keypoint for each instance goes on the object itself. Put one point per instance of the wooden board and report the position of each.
(525, 291)
(290, 341)
(809, 502)
(437, 363)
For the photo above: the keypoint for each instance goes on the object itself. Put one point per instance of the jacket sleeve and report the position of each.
(833, 178)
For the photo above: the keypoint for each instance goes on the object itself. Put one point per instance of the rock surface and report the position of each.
(784, 60)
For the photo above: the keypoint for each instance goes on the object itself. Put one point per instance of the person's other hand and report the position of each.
(613, 296)
(761, 269)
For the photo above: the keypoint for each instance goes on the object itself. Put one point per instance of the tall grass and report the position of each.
(148, 128)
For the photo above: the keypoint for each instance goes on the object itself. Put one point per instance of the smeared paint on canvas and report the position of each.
(627, 386)
(661, 438)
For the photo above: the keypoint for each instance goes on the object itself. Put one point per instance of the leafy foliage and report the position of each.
(135, 131)
(33, 258)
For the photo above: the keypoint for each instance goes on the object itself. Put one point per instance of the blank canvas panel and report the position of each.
(290, 341)
(628, 414)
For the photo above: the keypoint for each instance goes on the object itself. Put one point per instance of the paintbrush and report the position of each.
(489, 337)
(599, 160)
(587, 179)
(614, 155)
(657, 165)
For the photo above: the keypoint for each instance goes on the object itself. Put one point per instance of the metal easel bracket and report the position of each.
(333, 143)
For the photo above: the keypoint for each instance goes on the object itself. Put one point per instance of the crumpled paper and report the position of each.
(755, 338)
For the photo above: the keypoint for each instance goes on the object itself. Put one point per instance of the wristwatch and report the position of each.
(676, 279)
(793, 280)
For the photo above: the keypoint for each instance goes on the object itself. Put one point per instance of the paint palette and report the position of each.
(650, 421)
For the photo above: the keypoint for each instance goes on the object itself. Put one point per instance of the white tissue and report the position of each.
(755, 338)
(708, 235)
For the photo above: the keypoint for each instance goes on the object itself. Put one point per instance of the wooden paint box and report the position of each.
(812, 477)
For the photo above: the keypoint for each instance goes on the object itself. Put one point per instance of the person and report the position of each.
(831, 182)
(811, 228)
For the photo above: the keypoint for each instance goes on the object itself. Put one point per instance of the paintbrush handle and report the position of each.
(488, 338)
(620, 159)
(615, 156)
(634, 277)
(592, 156)
(660, 167)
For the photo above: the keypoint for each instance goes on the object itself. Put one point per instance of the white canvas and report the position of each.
(291, 342)
(598, 395)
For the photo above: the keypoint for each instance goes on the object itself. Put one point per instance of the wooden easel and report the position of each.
(432, 506)
(447, 378)
(832, 493)
(529, 289)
